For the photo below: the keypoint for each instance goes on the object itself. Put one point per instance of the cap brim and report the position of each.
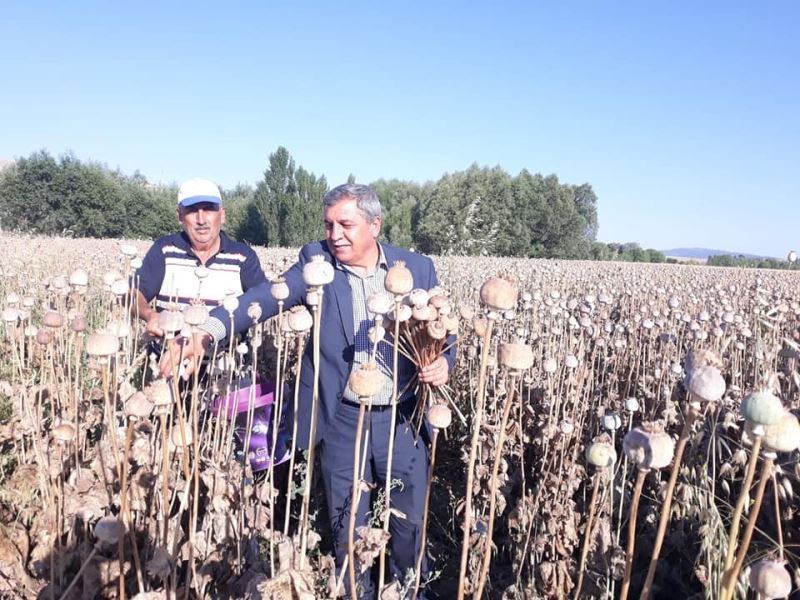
(192, 200)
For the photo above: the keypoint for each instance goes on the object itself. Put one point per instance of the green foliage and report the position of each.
(726, 260)
(66, 196)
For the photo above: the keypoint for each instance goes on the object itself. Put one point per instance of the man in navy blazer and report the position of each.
(352, 216)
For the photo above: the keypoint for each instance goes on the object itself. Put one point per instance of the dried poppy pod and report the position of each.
(12, 299)
(171, 321)
(436, 330)
(705, 384)
(366, 381)
(138, 406)
(611, 421)
(279, 289)
(195, 314)
(300, 320)
(43, 337)
(439, 301)
(601, 453)
(254, 311)
(65, 432)
(376, 334)
(466, 312)
(128, 250)
(159, 393)
(53, 319)
(230, 303)
(79, 278)
(399, 279)
(317, 272)
(479, 324)
(401, 313)
(380, 303)
(761, 408)
(450, 323)
(515, 356)
(783, 435)
(10, 315)
(418, 297)
(439, 416)
(78, 324)
(702, 358)
(770, 579)
(181, 435)
(109, 530)
(424, 313)
(499, 294)
(550, 365)
(119, 287)
(649, 446)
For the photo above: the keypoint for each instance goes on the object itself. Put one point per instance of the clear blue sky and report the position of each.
(682, 115)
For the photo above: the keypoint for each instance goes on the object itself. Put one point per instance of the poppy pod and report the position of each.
(300, 320)
(762, 408)
(119, 287)
(317, 272)
(418, 297)
(479, 324)
(10, 315)
(64, 432)
(450, 322)
(102, 344)
(783, 435)
(254, 311)
(279, 289)
(181, 435)
(402, 313)
(436, 330)
(159, 393)
(770, 579)
(550, 365)
(439, 416)
(109, 530)
(53, 319)
(466, 312)
(601, 453)
(439, 301)
(517, 357)
(79, 277)
(649, 446)
(171, 321)
(195, 314)
(380, 303)
(230, 303)
(138, 406)
(366, 381)
(499, 294)
(78, 324)
(399, 279)
(201, 272)
(706, 384)
(424, 313)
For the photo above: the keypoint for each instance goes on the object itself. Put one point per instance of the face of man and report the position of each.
(350, 235)
(202, 222)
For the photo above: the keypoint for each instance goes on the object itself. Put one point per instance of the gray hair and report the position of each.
(365, 197)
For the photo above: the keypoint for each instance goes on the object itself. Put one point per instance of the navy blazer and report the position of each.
(337, 332)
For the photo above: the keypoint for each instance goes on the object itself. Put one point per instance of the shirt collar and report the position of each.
(382, 262)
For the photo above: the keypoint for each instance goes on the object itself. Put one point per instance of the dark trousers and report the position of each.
(410, 465)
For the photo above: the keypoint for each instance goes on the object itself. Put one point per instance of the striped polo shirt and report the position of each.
(169, 272)
(362, 287)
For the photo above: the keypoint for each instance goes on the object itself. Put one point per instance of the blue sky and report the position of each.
(682, 115)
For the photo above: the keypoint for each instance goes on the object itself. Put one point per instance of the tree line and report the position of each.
(477, 211)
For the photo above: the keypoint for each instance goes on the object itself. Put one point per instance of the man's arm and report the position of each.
(145, 284)
(148, 314)
(218, 326)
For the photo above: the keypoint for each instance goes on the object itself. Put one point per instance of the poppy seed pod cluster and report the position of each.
(649, 446)
(770, 579)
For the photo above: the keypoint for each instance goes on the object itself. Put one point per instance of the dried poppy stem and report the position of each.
(276, 417)
(666, 508)
(634, 509)
(354, 501)
(418, 566)
(312, 434)
(473, 450)
(587, 536)
(744, 494)
(287, 514)
(498, 456)
(732, 575)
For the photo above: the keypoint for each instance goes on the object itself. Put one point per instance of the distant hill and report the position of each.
(704, 253)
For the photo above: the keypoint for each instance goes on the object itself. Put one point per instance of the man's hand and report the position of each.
(182, 355)
(437, 373)
(152, 327)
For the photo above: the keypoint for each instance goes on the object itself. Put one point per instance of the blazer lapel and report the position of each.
(340, 288)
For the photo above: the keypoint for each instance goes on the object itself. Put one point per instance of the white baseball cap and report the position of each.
(197, 190)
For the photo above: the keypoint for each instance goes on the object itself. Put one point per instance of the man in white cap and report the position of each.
(199, 263)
